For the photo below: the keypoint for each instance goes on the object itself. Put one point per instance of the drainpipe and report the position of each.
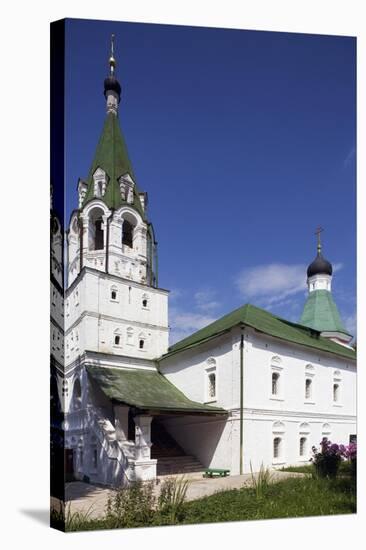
(241, 400)
(107, 242)
(81, 229)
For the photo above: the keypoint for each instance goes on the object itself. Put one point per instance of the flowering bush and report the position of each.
(327, 460)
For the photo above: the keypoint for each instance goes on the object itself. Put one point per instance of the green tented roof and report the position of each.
(321, 313)
(267, 323)
(146, 389)
(111, 155)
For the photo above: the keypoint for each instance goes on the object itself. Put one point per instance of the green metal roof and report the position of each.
(146, 389)
(321, 313)
(267, 323)
(111, 155)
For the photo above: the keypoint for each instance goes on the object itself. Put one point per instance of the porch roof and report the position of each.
(146, 389)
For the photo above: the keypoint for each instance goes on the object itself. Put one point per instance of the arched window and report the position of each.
(99, 189)
(127, 233)
(326, 431)
(145, 301)
(142, 341)
(337, 378)
(211, 380)
(277, 447)
(77, 394)
(212, 385)
(117, 340)
(114, 293)
(96, 231)
(275, 383)
(302, 446)
(129, 334)
(308, 388)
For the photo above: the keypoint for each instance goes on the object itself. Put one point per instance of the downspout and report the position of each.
(107, 242)
(241, 400)
(81, 240)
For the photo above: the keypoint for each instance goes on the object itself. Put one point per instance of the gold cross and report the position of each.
(317, 232)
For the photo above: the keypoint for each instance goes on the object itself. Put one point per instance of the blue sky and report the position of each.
(245, 142)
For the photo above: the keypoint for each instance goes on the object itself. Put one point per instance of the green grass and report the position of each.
(293, 497)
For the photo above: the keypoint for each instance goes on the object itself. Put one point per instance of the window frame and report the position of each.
(278, 432)
(309, 376)
(210, 369)
(337, 382)
(117, 334)
(279, 395)
(114, 289)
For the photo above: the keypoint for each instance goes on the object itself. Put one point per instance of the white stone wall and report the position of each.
(94, 317)
(288, 415)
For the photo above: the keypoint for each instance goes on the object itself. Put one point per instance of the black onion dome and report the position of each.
(111, 83)
(320, 266)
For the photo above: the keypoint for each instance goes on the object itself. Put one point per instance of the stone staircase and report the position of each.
(172, 460)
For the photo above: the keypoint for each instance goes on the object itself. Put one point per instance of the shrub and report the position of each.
(132, 506)
(171, 500)
(330, 456)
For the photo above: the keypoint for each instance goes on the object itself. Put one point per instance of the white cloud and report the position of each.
(175, 293)
(205, 300)
(184, 323)
(272, 283)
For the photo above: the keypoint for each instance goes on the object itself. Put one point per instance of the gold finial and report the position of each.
(112, 61)
(317, 232)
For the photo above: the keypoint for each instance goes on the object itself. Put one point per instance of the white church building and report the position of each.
(249, 389)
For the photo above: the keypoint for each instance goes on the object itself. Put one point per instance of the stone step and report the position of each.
(176, 459)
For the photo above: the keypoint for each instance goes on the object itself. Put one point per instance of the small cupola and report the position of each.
(319, 266)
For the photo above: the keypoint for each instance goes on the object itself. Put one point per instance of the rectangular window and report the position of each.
(277, 447)
(212, 385)
(275, 383)
(308, 388)
(302, 449)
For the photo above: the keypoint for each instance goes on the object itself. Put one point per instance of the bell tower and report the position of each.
(110, 230)
(113, 304)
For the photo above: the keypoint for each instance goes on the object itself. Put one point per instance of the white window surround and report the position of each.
(130, 336)
(337, 389)
(309, 376)
(276, 369)
(210, 381)
(303, 448)
(100, 182)
(142, 339)
(117, 335)
(304, 432)
(326, 430)
(278, 432)
(145, 302)
(114, 292)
